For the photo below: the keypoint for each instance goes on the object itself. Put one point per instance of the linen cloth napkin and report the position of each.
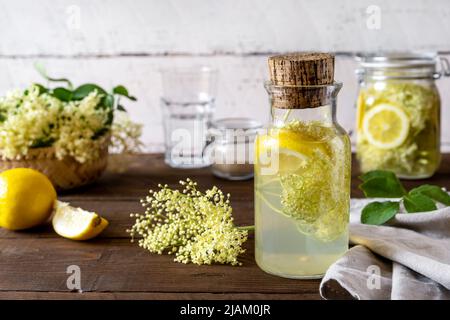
(407, 258)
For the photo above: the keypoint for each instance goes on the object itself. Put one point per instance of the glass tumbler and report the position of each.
(187, 103)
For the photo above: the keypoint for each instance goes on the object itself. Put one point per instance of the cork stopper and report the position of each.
(296, 75)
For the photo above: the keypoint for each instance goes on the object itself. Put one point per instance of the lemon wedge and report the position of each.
(386, 126)
(76, 223)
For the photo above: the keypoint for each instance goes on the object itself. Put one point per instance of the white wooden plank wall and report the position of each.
(127, 42)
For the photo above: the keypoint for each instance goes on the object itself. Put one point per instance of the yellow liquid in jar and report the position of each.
(417, 153)
(302, 207)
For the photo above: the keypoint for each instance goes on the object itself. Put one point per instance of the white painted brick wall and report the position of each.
(126, 42)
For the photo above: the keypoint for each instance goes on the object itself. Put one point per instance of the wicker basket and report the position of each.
(66, 173)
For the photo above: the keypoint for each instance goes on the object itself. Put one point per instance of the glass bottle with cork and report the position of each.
(302, 170)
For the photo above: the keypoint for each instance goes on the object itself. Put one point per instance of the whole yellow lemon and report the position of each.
(27, 198)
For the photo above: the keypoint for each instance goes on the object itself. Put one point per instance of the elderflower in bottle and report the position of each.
(302, 171)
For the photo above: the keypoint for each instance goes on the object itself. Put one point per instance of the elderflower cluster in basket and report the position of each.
(39, 117)
(194, 226)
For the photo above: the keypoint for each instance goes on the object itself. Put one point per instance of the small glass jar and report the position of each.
(398, 114)
(230, 150)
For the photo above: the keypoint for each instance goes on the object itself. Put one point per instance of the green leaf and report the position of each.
(418, 202)
(122, 91)
(84, 90)
(100, 132)
(377, 174)
(62, 94)
(40, 68)
(382, 185)
(41, 88)
(434, 192)
(43, 142)
(377, 213)
(121, 108)
(110, 118)
(108, 101)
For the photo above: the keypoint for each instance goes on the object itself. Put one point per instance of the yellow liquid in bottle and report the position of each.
(302, 194)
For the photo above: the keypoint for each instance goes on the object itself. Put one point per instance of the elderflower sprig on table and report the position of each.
(194, 226)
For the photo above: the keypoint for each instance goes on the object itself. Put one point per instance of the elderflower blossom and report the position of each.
(79, 121)
(125, 142)
(125, 134)
(194, 226)
(30, 119)
(26, 119)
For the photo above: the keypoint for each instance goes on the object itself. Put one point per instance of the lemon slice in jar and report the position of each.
(271, 198)
(274, 160)
(386, 126)
(278, 155)
(291, 161)
(285, 162)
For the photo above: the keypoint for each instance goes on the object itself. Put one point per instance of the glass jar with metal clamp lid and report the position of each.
(398, 113)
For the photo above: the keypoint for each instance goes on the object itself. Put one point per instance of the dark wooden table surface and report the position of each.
(33, 264)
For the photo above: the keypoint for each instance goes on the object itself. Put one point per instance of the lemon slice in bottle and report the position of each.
(76, 223)
(291, 161)
(269, 187)
(386, 126)
(269, 193)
